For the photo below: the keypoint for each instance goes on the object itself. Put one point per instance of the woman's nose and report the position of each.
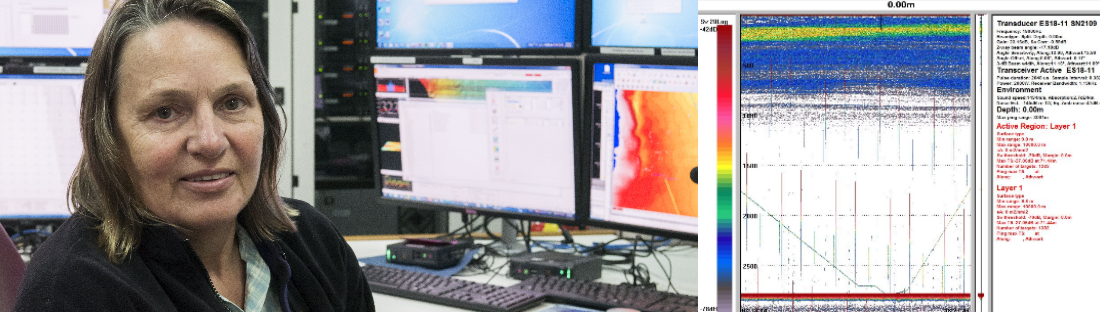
(207, 138)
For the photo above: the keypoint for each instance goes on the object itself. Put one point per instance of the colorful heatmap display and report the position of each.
(469, 89)
(655, 153)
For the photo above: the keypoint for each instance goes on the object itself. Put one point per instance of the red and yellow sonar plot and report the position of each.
(657, 146)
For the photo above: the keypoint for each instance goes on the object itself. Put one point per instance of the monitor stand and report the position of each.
(508, 244)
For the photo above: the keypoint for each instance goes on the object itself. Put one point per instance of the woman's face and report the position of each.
(188, 112)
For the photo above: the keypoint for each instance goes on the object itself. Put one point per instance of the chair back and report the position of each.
(11, 272)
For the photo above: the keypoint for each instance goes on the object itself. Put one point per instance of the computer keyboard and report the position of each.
(449, 291)
(604, 296)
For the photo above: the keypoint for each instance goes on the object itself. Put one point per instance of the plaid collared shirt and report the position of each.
(259, 296)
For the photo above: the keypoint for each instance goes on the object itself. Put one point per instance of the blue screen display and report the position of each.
(645, 23)
(476, 24)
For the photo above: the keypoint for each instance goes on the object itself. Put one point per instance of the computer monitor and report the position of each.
(50, 27)
(39, 139)
(466, 27)
(644, 119)
(661, 27)
(499, 138)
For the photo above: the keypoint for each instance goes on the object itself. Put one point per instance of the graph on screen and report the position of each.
(855, 162)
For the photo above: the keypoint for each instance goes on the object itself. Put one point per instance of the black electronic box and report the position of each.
(547, 263)
(428, 253)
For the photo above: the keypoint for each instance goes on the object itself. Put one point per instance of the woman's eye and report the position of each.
(234, 104)
(165, 113)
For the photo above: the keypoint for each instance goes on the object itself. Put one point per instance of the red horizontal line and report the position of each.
(802, 296)
(744, 15)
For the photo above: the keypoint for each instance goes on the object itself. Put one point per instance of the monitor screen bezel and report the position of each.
(580, 174)
(590, 63)
(579, 10)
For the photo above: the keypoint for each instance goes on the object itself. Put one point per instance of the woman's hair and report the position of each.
(101, 187)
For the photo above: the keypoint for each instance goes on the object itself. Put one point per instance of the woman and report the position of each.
(175, 197)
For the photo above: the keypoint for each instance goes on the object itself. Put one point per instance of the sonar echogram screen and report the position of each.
(856, 162)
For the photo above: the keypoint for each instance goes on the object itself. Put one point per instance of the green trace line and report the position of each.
(832, 264)
(929, 255)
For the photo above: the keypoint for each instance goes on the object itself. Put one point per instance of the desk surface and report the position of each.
(684, 266)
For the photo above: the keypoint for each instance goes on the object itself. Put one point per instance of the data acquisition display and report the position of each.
(496, 138)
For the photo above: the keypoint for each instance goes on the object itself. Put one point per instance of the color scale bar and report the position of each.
(725, 168)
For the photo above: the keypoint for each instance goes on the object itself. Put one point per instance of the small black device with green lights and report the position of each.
(546, 263)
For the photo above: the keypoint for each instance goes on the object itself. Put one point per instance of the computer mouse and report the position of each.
(622, 310)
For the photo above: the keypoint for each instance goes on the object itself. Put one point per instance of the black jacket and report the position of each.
(314, 268)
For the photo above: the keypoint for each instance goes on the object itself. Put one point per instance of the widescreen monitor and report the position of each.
(499, 138)
(665, 27)
(50, 27)
(644, 124)
(477, 27)
(39, 143)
